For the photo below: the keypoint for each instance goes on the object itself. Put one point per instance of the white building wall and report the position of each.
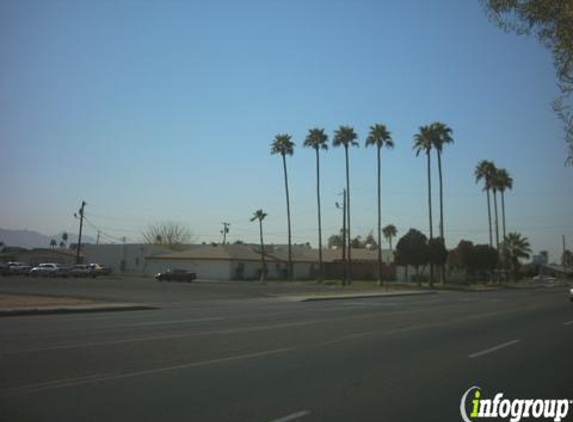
(122, 259)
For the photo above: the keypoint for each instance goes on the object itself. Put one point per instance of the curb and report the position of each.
(354, 296)
(51, 310)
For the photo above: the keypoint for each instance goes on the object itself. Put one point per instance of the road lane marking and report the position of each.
(292, 416)
(493, 349)
(568, 323)
(94, 379)
(256, 329)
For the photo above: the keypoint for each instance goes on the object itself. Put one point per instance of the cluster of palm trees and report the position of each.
(498, 180)
(433, 136)
(495, 181)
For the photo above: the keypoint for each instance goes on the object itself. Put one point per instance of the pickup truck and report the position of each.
(176, 275)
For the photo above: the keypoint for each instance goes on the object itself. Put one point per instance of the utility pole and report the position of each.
(225, 231)
(98, 235)
(81, 217)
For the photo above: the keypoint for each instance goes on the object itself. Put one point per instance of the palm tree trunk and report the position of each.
(496, 220)
(288, 221)
(441, 195)
(263, 265)
(503, 213)
(379, 225)
(442, 268)
(489, 218)
(430, 212)
(348, 216)
(504, 251)
(320, 267)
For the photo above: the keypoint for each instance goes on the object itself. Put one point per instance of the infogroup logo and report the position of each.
(513, 409)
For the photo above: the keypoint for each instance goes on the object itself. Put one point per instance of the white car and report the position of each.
(571, 294)
(48, 269)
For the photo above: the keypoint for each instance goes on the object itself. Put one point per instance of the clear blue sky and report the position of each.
(165, 110)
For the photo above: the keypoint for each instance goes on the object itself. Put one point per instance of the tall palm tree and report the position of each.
(346, 136)
(423, 143)
(260, 216)
(65, 238)
(283, 146)
(505, 181)
(516, 247)
(380, 137)
(441, 135)
(485, 171)
(317, 140)
(390, 232)
(495, 189)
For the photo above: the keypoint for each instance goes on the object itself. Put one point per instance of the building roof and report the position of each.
(252, 253)
(219, 252)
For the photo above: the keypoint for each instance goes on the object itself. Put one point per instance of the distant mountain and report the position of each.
(32, 239)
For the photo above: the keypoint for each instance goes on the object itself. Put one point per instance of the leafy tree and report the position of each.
(567, 258)
(318, 140)
(259, 215)
(516, 247)
(485, 171)
(167, 234)
(283, 146)
(53, 243)
(437, 252)
(486, 258)
(380, 137)
(335, 241)
(357, 243)
(346, 136)
(370, 242)
(390, 232)
(412, 249)
(552, 22)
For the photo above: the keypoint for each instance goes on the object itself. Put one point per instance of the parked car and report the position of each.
(98, 269)
(571, 294)
(4, 269)
(18, 268)
(80, 270)
(176, 275)
(48, 269)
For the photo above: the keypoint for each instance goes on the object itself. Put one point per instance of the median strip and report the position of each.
(493, 349)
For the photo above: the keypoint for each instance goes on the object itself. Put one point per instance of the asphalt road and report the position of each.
(225, 355)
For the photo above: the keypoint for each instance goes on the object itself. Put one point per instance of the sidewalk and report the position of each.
(320, 296)
(17, 305)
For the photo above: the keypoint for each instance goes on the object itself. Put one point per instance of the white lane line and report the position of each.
(293, 416)
(493, 349)
(93, 379)
(568, 323)
(184, 321)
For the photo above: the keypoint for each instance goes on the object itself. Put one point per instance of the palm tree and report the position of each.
(53, 243)
(505, 181)
(317, 140)
(65, 239)
(282, 145)
(485, 171)
(390, 232)
(380, 137)
(260, 216)
(346, 137)
(441, 135)
(516, 247)
(423, 142)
